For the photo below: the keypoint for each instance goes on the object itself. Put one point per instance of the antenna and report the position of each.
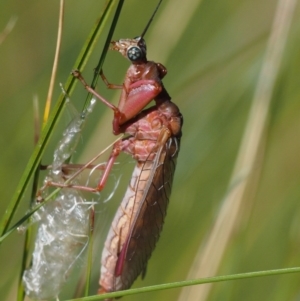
(149, 22)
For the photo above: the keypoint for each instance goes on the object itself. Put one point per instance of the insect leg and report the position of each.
(107, 83)
(117, 148)
(77, 74)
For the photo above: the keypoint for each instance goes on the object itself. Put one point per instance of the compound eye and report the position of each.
(134, 53)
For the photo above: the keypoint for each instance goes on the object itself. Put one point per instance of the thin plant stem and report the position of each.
(90, 253)
(55, 63)
(194, 282)
(105, 50)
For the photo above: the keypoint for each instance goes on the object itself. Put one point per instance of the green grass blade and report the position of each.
(90, 254)
(54, 116)
(105, 49)
(190, 283)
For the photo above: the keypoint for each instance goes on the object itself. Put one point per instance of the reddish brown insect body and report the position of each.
(154, 140)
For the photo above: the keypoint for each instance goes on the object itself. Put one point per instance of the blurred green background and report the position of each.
(214, 51)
